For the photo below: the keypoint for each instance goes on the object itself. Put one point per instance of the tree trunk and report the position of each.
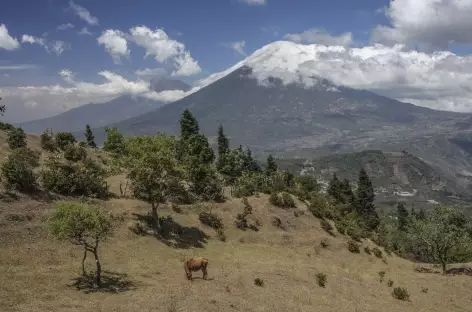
(98, 272)
(83, 262)
(155, 220)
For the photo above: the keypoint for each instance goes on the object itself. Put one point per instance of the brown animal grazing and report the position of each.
(196, 264)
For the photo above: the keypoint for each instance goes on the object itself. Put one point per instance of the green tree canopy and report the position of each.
(188, 125)
(84, 226)
(89, 138)
(364, 204)
(271, 166)
(443, 233)
(63, 139)
(114, 141)
(16, 138)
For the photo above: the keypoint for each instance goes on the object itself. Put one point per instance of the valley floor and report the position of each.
(145, 274)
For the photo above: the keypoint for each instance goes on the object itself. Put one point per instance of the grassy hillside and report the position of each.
(145, 273)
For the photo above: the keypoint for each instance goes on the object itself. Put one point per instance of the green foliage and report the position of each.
(89, 138)
(47, 141)
(403, 217)
(210, 219)
(18, 170)
(284, 200)
(353, 247)
(325, 225)
(320, 207)
(75, 153)
(271, 166)
(114, 142)
(249, 184)
(84, 226)
(364, 204)
(16, 138)
(321, 279)
(401, 294)
(74, 178)
(223, 148)
(6, 126)
(188, 125)
(442, 235)
(377, 252)
(63, 139)
(241, 219)
(304, 186)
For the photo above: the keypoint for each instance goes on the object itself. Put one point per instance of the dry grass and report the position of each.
(146, 274)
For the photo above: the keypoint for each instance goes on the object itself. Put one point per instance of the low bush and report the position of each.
(353, 247)
(75, 153)
(17, 172)
(325, 225)
(401, 294)
(324, 243)
(390, 283)
(367, 250)
(321, 279)
(284, 200)
(377, 252)
(258, 282)
(211, 220)
(382, 276)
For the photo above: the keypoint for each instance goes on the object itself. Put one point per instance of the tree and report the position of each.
(114, 142)
(403, 217)
(364, 204)
(271, 166)
(47, 140)
(223, 148)
(84, 226)
(2, 109)
(443, 232)
(18, 170)
(334, 188)
(153, 170)
(16, 138)
(89, 137)
(75, 153)
(250, 164)
(188, 125)
(63, 139)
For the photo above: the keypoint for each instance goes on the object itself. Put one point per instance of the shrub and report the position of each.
(81, 178)
(18, 170)
(401, 294)
(377, 252)
(6, 126)
(321, 279)
(324, 243)
(390, 283)
(176, 208)
(63, 139)
(353, 247)
(275, 200)
(211, 220)
(382, 276)
(424, 290)
(258, 282)
(47, 141)
(16, 138)
(221, 235)
(325, 225)
(287, 200)
(367, 250)
(75, 153)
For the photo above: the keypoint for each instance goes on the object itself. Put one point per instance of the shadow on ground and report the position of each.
(111, 282)
(172, 233)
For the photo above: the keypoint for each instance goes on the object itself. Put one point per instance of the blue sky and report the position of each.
(59, 54)
(205, 27)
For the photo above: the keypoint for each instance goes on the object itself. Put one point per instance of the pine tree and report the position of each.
(271, 166)
(89, 137)
(250, 163)
(223, 148)
(188, 125)
(365, 201)
(334, 188)
(402, 215)
(422, 214)
(346, 191)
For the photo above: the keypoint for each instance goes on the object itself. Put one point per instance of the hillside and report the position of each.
(102, 114)
(146, 274)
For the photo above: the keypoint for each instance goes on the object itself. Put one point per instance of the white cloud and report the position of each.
(238, 47)
(58, 46)
(57, 98)
(7, 42)
(158, 44)
(439, 80)
(84, 31)
(321, 36)
(150, 72)
(65, 26)
(254, 2)
(18, 67)
(432, 23)
(115, 43)
(83, 13)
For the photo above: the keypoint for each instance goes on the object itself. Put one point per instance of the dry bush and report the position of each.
(377, 252)
(258, 282)
(367, 250)
(401, 293)
(353, 247)
(321, 279)
(390, 283)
